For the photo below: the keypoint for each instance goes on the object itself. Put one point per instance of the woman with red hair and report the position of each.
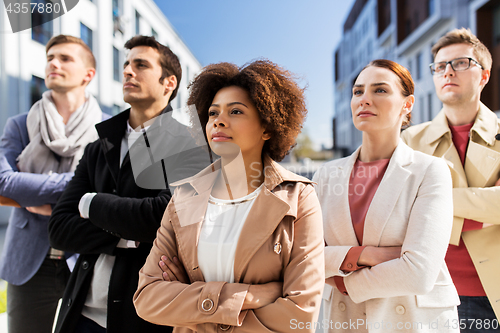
(387, 214)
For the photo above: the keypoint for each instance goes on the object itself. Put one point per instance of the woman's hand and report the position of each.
(373, 255)
(260, 295)
(173, 270)
(331, 281)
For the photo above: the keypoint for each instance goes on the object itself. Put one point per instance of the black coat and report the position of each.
(121, 209)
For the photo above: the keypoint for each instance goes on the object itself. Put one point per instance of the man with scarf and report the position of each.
(39, 152)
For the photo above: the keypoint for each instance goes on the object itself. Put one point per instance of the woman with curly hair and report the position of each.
(240, 247)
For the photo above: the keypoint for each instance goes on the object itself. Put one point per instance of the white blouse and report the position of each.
(219, 236)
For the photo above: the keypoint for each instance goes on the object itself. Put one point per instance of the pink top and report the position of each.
(365, 180)
(462, 270)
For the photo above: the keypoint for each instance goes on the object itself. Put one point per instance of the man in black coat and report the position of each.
(104, 215)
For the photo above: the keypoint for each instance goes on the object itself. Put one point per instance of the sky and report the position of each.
(300, 36)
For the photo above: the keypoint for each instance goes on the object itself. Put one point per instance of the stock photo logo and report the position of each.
(27, 14)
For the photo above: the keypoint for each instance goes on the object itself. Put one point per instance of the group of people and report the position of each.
(245, 245)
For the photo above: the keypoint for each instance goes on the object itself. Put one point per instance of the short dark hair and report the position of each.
(169, 62)
(67, 39)
(273, 90)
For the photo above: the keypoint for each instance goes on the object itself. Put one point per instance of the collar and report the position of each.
(438, 128)
(485, 126)
(402, 155)
(274, 175)
(113, 129)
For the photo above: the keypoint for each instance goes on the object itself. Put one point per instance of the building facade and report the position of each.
(404, 31)
(105, 25)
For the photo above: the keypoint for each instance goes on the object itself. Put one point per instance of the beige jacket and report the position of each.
(412, 208)
(281, 240)
(474, 196)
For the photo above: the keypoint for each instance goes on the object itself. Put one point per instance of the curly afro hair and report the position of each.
(273, 90)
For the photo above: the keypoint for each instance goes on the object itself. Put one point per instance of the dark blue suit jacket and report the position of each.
(27, 240)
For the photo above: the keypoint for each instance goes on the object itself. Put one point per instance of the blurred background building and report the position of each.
(404, 31)
(105, 25)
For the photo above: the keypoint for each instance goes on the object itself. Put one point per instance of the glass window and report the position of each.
(37, 88)
(86, 35)
(429, 106)
(421, 116)
(116, 65)
(154, 33)
(418, 70)
(178, 99)
(117, 13)
(137, 23)
(430, 7)
(41, 23)
(496, 25)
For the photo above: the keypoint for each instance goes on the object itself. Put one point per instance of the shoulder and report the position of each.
(416, 130)
(425, 160)
(18, 120)
(329, 170)
(431, 168)
(93, 149)
(16, 129)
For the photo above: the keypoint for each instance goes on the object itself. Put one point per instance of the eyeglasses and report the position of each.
(459, 64)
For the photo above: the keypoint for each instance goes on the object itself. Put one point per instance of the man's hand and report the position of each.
(173, 270)
(45, 210)
(498, 182)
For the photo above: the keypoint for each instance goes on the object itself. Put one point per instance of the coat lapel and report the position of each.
(387, 194)
(480, 165)
(455, 164)
(111, 132)
(483, 161)
(341, 229)
(190, 209)
(260, 224)
(439, 143)
(191, 205)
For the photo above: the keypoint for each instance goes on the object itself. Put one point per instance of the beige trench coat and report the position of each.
(281, 240)
(474, 196)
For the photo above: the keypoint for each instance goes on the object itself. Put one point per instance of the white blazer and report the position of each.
(412, 208)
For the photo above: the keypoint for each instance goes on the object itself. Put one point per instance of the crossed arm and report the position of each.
(174, 300)
(111, 217)
(24, 189)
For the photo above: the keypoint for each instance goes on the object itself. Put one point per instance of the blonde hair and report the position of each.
(465, 36)
(67, 39)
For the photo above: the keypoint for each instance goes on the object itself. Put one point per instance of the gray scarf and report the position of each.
(49, 135)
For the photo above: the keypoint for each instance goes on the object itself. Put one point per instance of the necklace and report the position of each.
(233, 202)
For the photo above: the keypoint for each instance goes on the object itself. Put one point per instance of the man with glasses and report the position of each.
(465, 134)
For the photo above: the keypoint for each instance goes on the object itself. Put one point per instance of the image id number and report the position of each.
(48, 8)
(472, 324)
